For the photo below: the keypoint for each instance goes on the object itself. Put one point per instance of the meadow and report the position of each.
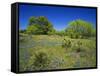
(42, 47)
(48, 52)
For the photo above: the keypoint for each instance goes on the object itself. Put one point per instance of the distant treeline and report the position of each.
(76, 29)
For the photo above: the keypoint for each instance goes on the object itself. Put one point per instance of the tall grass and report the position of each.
(43, 52)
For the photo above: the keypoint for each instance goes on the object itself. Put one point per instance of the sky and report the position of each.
(58, 16)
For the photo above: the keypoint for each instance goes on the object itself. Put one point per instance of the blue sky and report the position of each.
(58, 16)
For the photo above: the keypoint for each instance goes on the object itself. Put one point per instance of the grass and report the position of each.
(60, 57)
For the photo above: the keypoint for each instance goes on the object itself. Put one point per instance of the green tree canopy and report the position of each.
(39, 25)
(80, 28)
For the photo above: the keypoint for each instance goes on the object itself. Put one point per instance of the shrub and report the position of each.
(79, 47)
(79, 43)
(66, 43)
(80, 27)
(41, 61)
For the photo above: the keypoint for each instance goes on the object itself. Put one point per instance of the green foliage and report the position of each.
(51, 32)
(22, 31)
(39, 25)
(31, 29)
(79, 47)
(34, 29)
(76, 29)
(39, 51)
(80, 29)
(93, 33)
(66, 43)
(41, 61)
(43, 52)
(32, 20)
(61, 33)
(79, 43)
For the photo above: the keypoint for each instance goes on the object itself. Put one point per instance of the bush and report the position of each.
(79, 28)
(66, 43)
(79, 47)
(51, 32)
(41, 61)
(79, 43)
